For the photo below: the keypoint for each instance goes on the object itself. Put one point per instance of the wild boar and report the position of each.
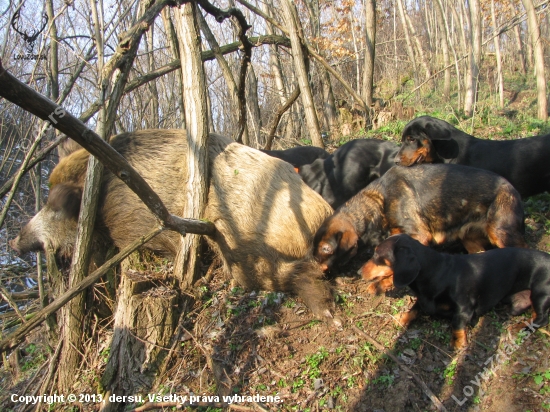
(265, 218)
(264, 214)
(158, 155)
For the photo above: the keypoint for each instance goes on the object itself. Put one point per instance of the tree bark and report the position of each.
(521, 54)
(410, 49)
(143, 325)
(74, 331)
(277, 72)
(187, 262)
(291, 19)
(538, 51)
(500, 78)
(474, 57)
(370, 51)
(444, 40)
(155, 124)
(419, 48)
(253, 106)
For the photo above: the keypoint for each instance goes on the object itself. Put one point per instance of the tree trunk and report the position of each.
(73, 313)
(187, 261)
(291, 19)
(143, 326)
(174, 48)
(410, 49)
(521, 54)
(370, 51)
(226, 71)
(419, 48)
(277, 72)
(538, 51)
(498, 58)
(254, 117)
(150, 47)
(444, 40)
(474, 57)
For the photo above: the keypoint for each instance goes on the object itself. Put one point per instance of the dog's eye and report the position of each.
(410, 139)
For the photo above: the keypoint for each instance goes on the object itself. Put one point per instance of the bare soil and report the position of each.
(242, 343)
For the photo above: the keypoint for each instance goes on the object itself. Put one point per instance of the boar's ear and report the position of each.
(405, 267)
(65, 198)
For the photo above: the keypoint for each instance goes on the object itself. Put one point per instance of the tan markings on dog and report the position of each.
(371, 271)
(459, 339)
(439, 237)
(405, 318)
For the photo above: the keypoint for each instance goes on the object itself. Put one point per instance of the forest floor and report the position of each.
(267, 344)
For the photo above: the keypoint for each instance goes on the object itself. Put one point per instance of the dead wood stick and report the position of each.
(394, 358)
(6, 296)
(277, 118)
(30, 100)
(13, 339)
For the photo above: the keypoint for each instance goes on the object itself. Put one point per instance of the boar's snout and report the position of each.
(14, 244)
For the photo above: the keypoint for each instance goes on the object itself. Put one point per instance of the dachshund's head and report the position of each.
(427, 140)
(336, 240)
(394, 263)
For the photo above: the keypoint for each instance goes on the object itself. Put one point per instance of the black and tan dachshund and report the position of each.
(349, 169)
(464, 287)
(523, 162)
(435, 204)
(299, 156)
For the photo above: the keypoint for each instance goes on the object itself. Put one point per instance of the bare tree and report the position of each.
(370, 51)
(474, 57)
(187, 262)
(538, 51)
(293, 24)
(500, 77)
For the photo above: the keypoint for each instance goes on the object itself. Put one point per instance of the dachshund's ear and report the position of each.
(437, 129)
(405, 267)
(446, 149)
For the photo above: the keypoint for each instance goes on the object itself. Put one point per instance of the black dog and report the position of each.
(349, 169)
(523, 162)
(436, 204)
(298, 156)
(464, 287)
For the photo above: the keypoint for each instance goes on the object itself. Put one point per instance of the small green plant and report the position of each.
(384, 380)
(313, 362)
(543, 378)
(450, 372)
(297, 384)
(415, 343)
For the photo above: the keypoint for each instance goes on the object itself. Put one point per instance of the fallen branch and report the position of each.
(13, 339)
(394, 358)
(6, 296)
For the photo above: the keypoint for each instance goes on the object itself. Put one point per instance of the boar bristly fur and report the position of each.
(265, 218)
